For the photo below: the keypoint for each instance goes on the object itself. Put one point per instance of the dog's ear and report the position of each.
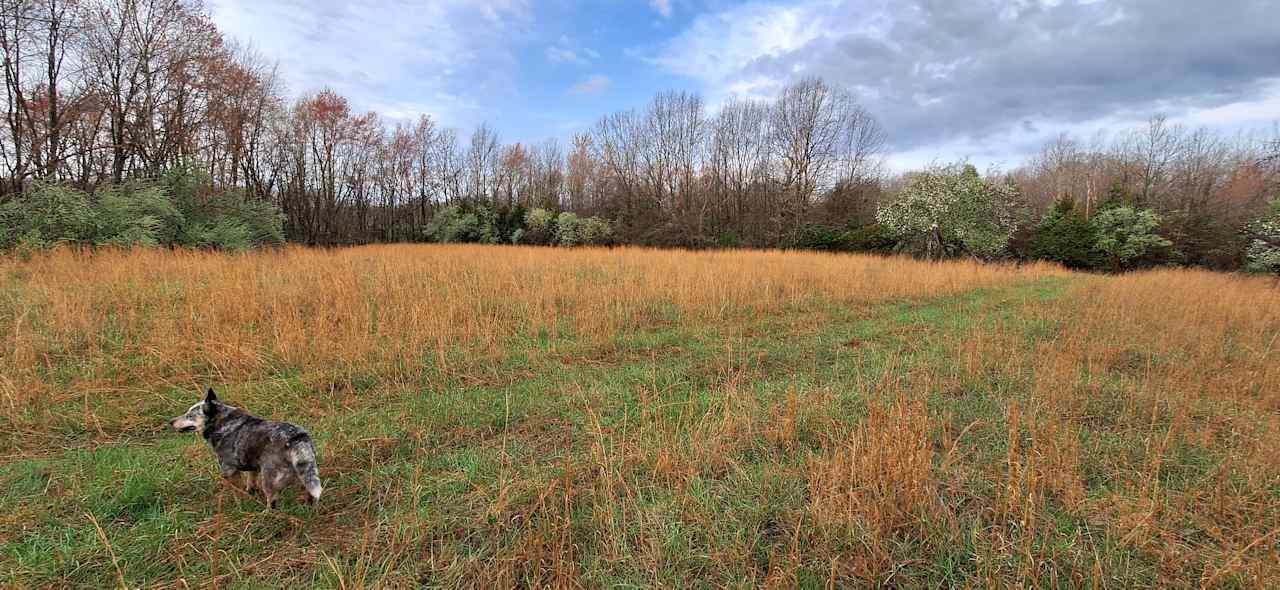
(211, 396)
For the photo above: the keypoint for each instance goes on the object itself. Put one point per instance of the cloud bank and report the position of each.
(988, 77)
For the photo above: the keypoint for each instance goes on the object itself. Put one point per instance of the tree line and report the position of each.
(105, 98)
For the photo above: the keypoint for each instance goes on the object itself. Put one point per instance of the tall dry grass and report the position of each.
(113, 323)
(1198, 355)
(1151, 411)
(878, 486)
(1084, 432)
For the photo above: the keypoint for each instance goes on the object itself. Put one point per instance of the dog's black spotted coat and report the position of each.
(281, 454)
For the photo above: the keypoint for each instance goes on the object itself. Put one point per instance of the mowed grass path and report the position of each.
(1032, 429)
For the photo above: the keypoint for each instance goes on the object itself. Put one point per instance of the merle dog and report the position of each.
(280, 453)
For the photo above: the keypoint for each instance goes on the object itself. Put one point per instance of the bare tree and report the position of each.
(805, 135)
(739, 167)
(675, 127)
(16, 24)
(482, 162)
(1152, 150)
(581, 175)
(547, 175)
(617, 141)
(861, 142)
(513, 174)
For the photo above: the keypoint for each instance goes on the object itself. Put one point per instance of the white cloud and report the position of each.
(593, 86)
(663, 7)
(1258, 111)
(567, 51)
(398, 55)
(562, 55)
(718, 47)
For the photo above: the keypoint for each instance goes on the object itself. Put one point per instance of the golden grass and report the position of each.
(879, 486)
(1169, 381)
(1052, 430)
(140, 319)
(1196, 357)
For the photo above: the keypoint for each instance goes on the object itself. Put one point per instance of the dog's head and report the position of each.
(198, 415)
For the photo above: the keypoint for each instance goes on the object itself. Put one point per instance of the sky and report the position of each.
(988, 82)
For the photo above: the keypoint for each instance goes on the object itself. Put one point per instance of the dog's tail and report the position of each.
(303, 457)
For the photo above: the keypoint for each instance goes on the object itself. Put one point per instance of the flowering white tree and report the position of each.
(1264, 249)
(952, 210)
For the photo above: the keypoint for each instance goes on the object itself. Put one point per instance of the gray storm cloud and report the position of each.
(937, 71)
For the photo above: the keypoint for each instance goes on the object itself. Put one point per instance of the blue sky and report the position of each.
(531, 70)
(984, 80)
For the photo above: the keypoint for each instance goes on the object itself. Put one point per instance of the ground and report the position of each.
(496, 417)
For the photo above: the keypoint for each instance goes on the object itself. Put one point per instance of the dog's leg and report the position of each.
(271, 483)
(233, 483)
(231, 476)
(250, 481)
(305, 494)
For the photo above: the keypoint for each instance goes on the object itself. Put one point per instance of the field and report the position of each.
(537, 417)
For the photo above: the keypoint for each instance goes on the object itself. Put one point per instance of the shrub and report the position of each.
(873, 237)
(508, 219)
(452, 224)
(567, 229)
(539, 226)
(1126, 237)
(209, 218)
(487, 230)
(727, 239)
(474, 223)
(484, 224)
(594, 231)
(224, 234)
(263, 222)
(136, 215)
(1064, 235)
(812, 236)
(178, 210)
(46, 215)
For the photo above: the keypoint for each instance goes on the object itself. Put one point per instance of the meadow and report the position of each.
(537, 417)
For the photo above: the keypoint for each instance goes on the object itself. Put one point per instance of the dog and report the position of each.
(280, 454)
